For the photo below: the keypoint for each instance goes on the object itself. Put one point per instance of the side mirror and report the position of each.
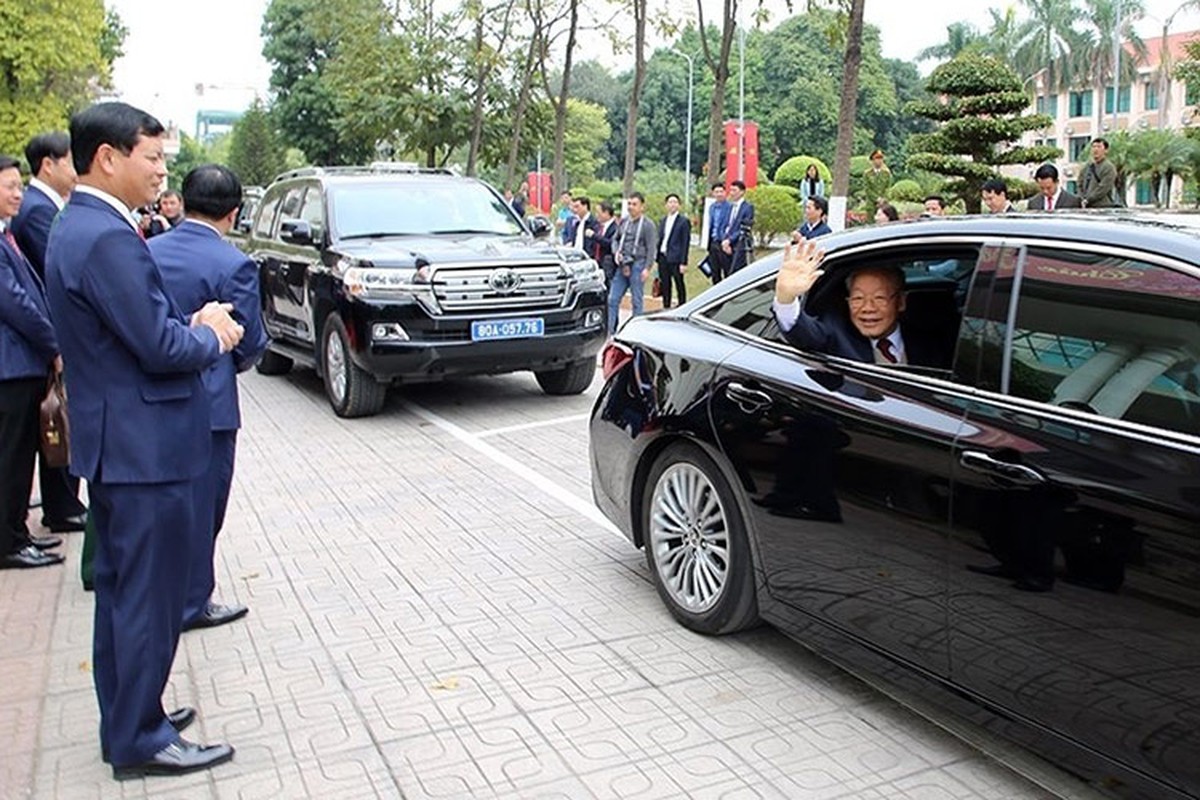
(539, 226)
(243, 225)
(296, 231)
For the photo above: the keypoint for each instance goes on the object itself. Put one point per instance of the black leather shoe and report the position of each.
(67, 524)
(180, 718)
(216, 614)
(178, 758)
(996, 571)
(44, 542)
(29, 557)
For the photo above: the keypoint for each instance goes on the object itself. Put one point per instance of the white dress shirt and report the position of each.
(666, 232)
(45, 189)
(112, 201)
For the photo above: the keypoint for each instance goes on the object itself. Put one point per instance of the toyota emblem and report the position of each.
(504, 280)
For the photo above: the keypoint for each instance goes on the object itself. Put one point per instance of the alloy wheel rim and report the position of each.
(689, 534)
(335, 366)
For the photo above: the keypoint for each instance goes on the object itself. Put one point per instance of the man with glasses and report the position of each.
(875, 300)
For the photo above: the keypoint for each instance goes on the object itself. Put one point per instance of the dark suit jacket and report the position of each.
(197, 266)
(679, 241)
(835, 335)
(602, 241)
(743, 221)
(138, 410)
(31, 226)
(718, 221)
(27, 340)
(1065, 200)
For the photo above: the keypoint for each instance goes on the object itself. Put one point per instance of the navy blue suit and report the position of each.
(737, 232)
(837, 336)
(198, 266)
(140, 434)
(31, 227)
(27, 348)
(718, 221)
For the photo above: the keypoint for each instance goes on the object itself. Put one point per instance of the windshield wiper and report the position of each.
(374, 235)
(469, 230)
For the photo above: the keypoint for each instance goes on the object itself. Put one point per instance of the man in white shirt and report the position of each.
(673, 251)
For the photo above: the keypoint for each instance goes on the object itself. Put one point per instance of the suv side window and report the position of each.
(1113, 336)
(290, 207)
(313, 213)
(266, 216)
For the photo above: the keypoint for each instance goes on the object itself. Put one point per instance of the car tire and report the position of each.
(574, 378)
(696, 545)
(273, 363)
(351, 390)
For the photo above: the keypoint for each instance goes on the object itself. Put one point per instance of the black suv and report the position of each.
(390, 273)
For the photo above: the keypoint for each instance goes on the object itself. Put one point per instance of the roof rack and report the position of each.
(374, 168)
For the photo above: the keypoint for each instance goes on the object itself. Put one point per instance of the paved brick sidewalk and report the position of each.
(426, 622)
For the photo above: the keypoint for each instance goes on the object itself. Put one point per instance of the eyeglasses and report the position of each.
(860, 300)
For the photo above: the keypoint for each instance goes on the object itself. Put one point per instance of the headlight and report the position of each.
(376, 282)
(585, 271)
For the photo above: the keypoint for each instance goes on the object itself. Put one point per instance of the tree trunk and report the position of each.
(849, 100)
(639, 76)
(477, 101)
(514, 149)
(719, 67)
(560, 106)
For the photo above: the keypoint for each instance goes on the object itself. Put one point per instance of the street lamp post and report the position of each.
(687, 147)
(1117, 69)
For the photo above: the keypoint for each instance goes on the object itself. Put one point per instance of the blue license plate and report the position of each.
(483, 330)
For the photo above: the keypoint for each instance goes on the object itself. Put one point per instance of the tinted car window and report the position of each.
(1114, 336)
(267, 217)
(381, 209)
(748, 310)
(313, 213)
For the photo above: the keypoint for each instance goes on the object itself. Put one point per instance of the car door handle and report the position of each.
(1015, 473)
(748, 400)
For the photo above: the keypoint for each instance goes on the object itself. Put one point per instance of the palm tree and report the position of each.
(1158, 156)
(1094, 52)
(960, 36)
(1048, 40)
(1004, 36)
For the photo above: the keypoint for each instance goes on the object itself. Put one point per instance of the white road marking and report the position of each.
(515, 467)
(528, 425)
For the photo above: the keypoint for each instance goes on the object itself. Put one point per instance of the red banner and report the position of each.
(733, 164)
(541, 192)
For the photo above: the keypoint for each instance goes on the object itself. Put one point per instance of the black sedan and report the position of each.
(1017, 530)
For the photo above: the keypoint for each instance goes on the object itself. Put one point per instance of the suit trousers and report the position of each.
(19, 400)
(668, 276)
(212, 498)
(143, 532)
(60, 494)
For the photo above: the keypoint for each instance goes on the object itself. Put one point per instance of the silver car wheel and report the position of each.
(689, 537)
(335, 366)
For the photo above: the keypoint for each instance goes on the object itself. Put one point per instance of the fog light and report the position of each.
(593, 318)
(388, 332)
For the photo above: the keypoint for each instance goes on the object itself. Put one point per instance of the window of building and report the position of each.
(1073, 187)
(1052, 142)
(1080, 104)
(1048, 104)
(1079, 148)
(1144, 193)
(1192, 95)
(1151, 96)
(1122, 100)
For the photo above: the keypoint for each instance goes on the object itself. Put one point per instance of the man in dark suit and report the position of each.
(718, 221)
(737, 241)
(197, 266)
(28, 352)
(673, 247)
(994, 194)
(1051, 197)
(602, 241)
(583, 224)
(49, 157)
(139, 430)
(875, 302)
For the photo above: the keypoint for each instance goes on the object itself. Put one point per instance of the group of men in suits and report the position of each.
(149, 339)
(730, 220)
(1050, 197)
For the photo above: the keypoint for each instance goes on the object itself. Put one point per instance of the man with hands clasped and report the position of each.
(870, 331)
(140, 431)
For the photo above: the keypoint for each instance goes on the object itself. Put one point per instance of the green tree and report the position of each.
(299, 39)
(256, 153)
(1047, 40)
(1093, 55)
(776, 211)
(587, 130)
(191, 155)
(1003, 38)
(1158, 156)
(960, 37)
(979, 108)
(792, 171)
(54, 57)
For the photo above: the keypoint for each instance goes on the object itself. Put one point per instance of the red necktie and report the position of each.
(1050, 203)
(8, 234)
(885, 349)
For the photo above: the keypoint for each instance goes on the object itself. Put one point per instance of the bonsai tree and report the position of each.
(979, 104)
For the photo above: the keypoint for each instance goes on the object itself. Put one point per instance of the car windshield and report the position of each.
(421, 208)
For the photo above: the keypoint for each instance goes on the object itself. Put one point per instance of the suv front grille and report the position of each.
(538, 286)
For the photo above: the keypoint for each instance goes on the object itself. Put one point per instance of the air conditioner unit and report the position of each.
(1143, 123)
(1105, 126)
(1069, 130)
(1070, 172)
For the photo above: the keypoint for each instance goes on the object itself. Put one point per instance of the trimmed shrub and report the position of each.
(792, 171)
(906, 190)
(776, 212)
